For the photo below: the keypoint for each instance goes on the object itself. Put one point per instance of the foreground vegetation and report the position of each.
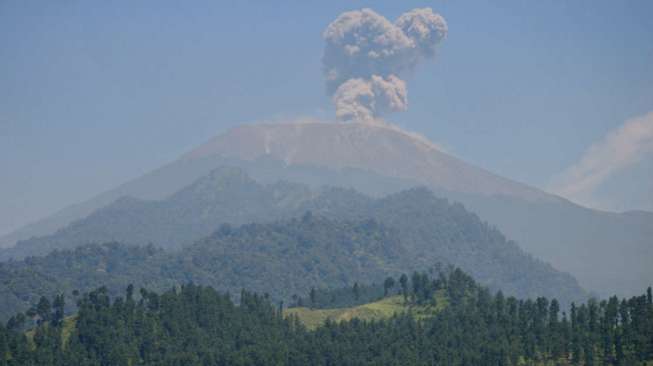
(196, 325)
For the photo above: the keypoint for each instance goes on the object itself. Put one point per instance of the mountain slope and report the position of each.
(226, 195)
(281, 258)
(425, 230)
(385, 150)
(342, 237)
(607, 252)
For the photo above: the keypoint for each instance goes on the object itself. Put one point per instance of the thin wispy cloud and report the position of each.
(621, 148)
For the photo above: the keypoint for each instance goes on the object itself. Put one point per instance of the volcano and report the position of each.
(382, 149)
(607, 252)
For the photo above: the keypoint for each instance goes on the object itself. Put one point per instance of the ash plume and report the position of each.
(365, 53)
(362, 99)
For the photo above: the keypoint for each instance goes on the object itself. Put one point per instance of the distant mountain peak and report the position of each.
(382, 149)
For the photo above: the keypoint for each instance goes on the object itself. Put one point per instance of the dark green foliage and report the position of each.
(290, 257)
(282, 259)
(43, 309)
(196, 325)
(313, 296)
(435, 230)
(426, 230)
(22, 283)
(403, 280)
(420, 290)
(388, 284)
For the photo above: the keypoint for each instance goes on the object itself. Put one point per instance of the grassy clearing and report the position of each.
(382, 309)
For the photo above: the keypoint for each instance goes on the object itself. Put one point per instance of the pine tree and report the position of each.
(555, 339)
(58, 306)
(313, 295)
(4, 345)
(575, 336)
(403, 281)
(43, 309)
(387, 285)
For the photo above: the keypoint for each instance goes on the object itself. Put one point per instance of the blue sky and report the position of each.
(95, 93)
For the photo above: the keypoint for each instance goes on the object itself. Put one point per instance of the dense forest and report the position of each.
(348, 238)
(196, 325)
(284, 258)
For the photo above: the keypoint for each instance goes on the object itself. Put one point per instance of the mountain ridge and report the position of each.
(606, 251)
(424, 229)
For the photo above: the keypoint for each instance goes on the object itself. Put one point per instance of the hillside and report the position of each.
(386, 150)
(604, 250)
(282, 259)
(607, 252)
(424, 230)
(288, 257)
(225, 195)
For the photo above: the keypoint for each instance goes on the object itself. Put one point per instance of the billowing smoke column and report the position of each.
(365, 53)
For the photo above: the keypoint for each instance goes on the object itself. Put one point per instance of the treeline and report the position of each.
(196, 325)
(344, 297)
(418, 290)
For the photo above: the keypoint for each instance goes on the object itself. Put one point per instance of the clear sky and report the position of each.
(95, 93)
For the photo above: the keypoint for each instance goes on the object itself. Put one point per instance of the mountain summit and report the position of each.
(383, 149)
(606, 251)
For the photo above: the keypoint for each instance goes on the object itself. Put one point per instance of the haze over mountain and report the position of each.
(411, 229)
(383, 149)
(607, 252)
(604, 250)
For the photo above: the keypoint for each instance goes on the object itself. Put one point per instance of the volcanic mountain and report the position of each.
(385, 150)
(607, 252)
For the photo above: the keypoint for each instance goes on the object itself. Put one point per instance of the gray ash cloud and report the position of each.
(365, 54)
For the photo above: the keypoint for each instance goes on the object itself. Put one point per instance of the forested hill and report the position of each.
(226, 195)
(434, 230)
(283, 258)
(195, 325)
(574, 239)
(412, 229)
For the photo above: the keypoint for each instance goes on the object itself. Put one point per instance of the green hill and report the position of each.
(419, 229)
(281, 259)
